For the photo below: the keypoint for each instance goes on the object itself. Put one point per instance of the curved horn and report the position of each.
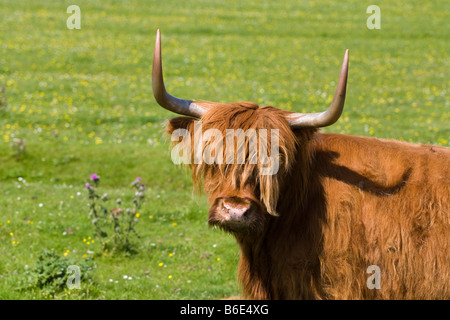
(325, 118)
(165, 100)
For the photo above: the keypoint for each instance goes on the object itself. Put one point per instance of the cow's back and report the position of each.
(387, 206)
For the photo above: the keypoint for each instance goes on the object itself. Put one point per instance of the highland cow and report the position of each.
(337, 206)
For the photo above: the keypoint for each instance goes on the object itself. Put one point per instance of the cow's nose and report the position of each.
(234, 209)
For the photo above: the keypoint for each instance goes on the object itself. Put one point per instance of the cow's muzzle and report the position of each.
(234, 214)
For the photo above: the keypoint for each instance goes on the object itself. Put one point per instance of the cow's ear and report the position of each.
(179, 123)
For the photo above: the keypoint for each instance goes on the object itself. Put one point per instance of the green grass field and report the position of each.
(82, 102)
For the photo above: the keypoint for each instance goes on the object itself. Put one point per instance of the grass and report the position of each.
(82, 101)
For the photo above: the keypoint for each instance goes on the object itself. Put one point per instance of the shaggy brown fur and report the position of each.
(338, 205)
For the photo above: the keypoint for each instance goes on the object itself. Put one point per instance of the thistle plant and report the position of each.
(115, 226)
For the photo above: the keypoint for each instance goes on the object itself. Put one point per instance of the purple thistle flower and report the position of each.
(88, 186)
(95, 177)
(138, 179)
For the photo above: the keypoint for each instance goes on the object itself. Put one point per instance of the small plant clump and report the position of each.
(53, 273)
(115, 226)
